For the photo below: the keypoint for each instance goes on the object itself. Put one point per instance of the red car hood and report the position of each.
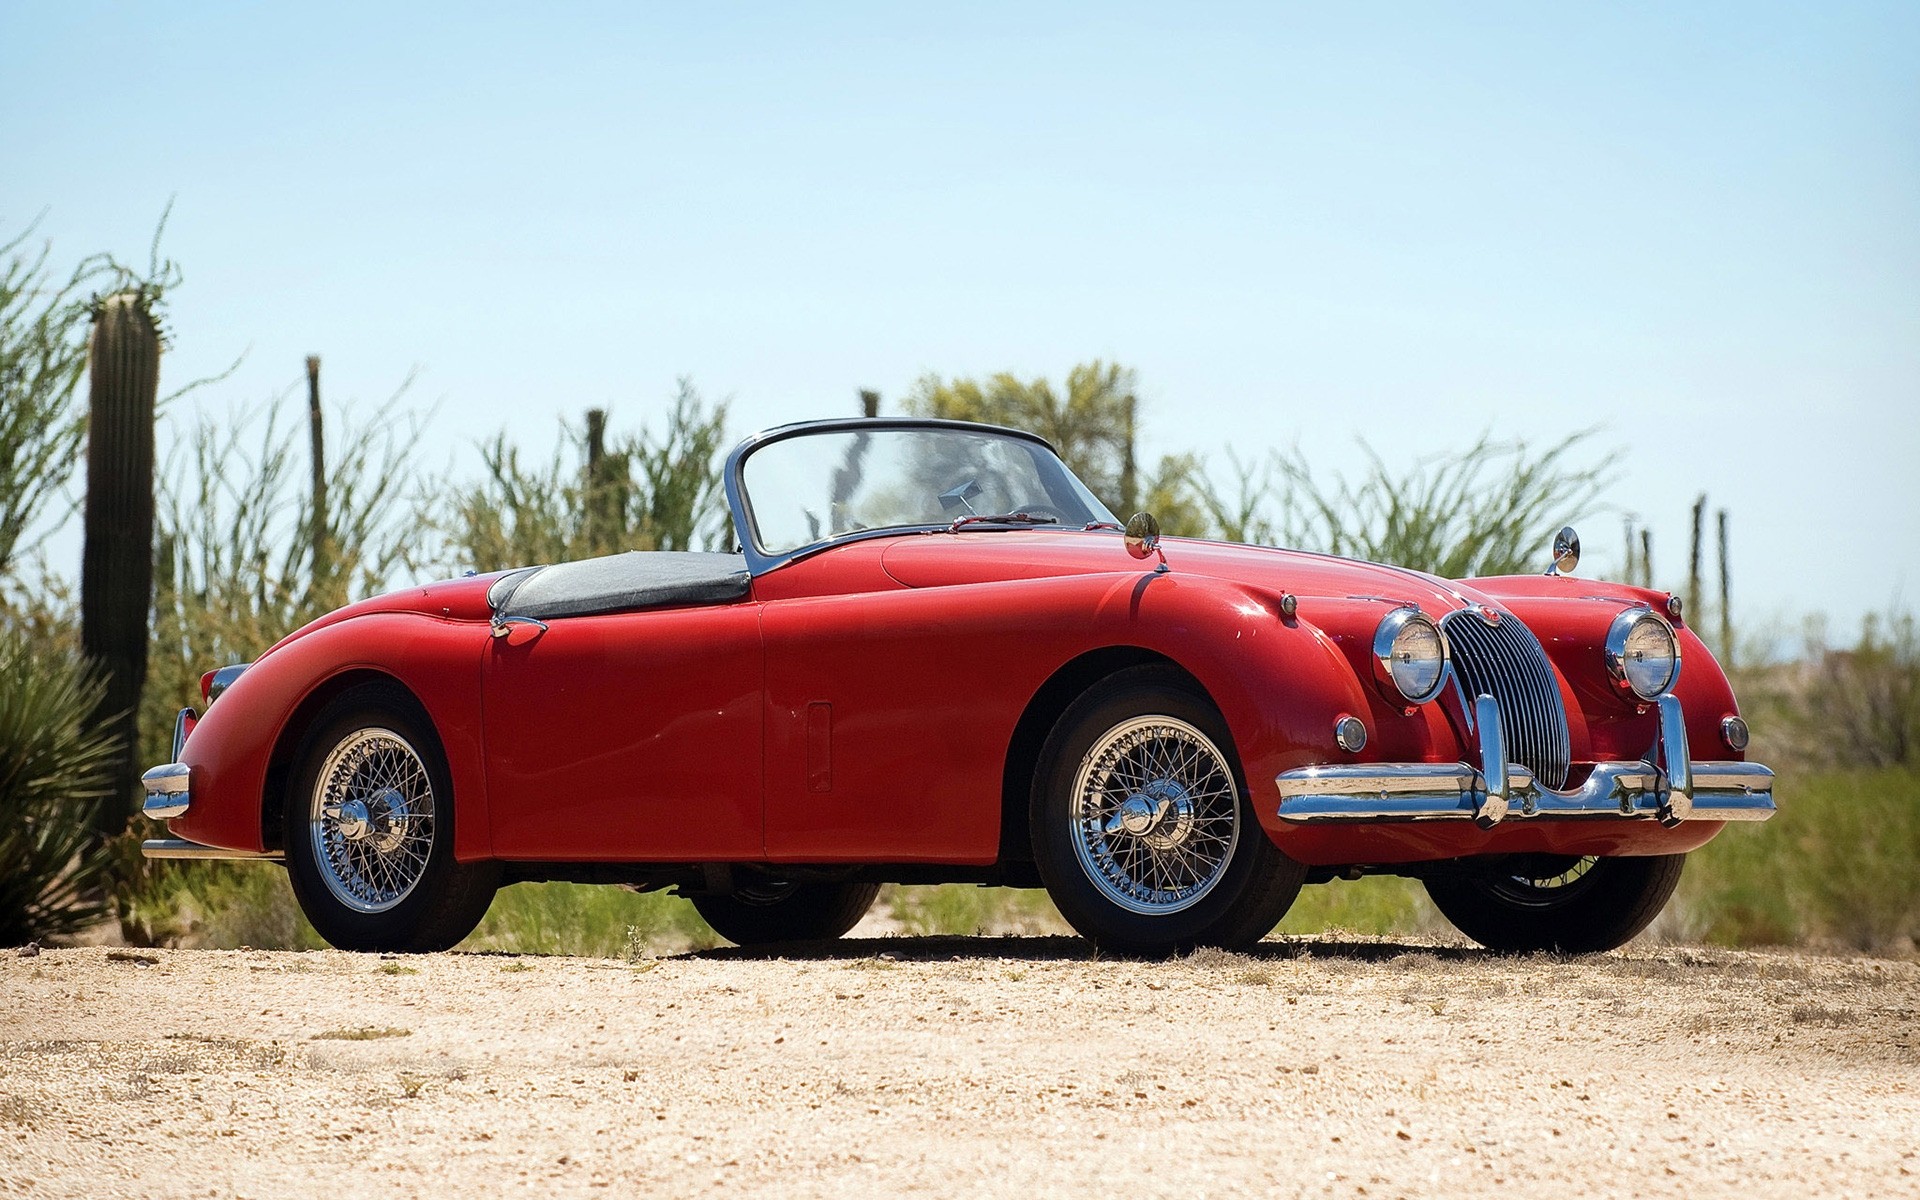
(943, 560)
(462, 599)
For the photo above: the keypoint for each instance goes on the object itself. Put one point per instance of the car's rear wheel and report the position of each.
(1142, 829)
(1537, 902)
(785, 910)
(368, 826)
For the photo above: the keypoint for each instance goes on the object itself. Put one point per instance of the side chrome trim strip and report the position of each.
(181, 848)
(1667, 786)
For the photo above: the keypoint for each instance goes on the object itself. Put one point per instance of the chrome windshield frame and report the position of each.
(759, 559)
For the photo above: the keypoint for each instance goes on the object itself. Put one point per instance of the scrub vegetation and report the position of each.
(247, 549)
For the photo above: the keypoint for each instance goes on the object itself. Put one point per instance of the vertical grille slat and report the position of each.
(1504, 660)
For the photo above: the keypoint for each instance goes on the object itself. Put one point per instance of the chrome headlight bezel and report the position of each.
(1386, 643)
(1623, 670)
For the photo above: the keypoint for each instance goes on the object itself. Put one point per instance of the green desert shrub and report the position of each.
(589, 920)
(1487, 509)
(924, 910)
(1377, 905)
(1835, 866)
(651, 490)
(1093, 421)
(55, 775)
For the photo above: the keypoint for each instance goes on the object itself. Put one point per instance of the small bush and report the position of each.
(1377, 905)
(1484, 510)
(1861, 707)
(56, 771)
(963, 909)
(216, 906)
(589, 920)
(646, 491)
(1836, 864)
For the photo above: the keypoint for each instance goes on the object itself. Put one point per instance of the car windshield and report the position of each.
(813, 487)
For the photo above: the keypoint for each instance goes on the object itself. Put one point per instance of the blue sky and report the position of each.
(1697, 226)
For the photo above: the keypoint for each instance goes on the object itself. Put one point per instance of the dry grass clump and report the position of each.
(362, 1033)
(1821, 1014)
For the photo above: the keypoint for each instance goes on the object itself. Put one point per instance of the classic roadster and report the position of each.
(936, 657)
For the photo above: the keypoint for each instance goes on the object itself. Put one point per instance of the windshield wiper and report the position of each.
(1012, 518)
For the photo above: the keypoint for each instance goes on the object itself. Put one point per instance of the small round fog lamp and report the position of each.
(1350, 734)
(1733, 731)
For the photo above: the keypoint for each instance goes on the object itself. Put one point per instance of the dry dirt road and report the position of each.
(960, 1067)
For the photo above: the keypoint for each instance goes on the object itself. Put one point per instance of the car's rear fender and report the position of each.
(241, 750)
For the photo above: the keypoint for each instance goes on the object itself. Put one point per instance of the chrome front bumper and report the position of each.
(169, 785)
(170, 794)
(169, 791)
(1666, 786)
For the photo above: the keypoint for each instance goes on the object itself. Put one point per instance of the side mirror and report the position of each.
(1566, 552)
(1143, 535)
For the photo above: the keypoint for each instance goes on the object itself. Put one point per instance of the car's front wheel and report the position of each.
(1537, 902)
(1142, 830)
(785, 910)
(368, 827)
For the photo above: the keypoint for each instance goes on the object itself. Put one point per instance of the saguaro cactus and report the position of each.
(116, 564)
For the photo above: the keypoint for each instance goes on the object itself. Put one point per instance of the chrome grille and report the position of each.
(1504, 660)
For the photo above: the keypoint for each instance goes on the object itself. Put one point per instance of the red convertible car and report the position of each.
(937, 657)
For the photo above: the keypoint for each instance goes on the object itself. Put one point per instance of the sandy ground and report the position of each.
(959, 1067)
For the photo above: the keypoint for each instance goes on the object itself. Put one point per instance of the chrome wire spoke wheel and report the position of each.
(371, 820)
(765, 894)
(1547, 881)
(1155, 815)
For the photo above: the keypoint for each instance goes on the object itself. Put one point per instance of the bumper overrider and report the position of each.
(1666, 786)
(169, 789)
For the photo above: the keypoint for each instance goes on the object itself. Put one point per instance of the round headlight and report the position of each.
(1410, 654)
(1642, 654)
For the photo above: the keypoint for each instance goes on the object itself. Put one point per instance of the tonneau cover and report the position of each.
(618, 583)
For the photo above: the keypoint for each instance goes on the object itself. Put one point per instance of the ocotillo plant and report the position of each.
(320, 529)
(116, 564)
(1696, 602)
(1726, 598)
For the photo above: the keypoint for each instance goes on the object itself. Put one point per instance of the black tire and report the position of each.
(1567, 905)
(781, 910)
(371, 735)
(1229, 884)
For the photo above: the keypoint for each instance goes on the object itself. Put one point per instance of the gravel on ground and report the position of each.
(960, 1067)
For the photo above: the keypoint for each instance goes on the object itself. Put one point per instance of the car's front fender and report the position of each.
(245, 742)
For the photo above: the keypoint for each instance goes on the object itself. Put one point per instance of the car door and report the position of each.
(627, 737)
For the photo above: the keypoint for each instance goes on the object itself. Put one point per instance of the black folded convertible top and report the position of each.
(618, 583)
